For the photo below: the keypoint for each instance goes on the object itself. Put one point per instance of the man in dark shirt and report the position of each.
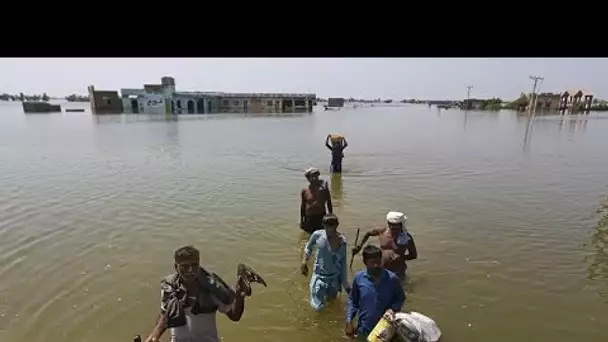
(374, 292)
(337, 153)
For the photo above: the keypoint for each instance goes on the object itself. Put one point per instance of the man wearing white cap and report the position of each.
(396, 242)
(314, 199)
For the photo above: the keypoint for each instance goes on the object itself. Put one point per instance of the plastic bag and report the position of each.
(416, 327)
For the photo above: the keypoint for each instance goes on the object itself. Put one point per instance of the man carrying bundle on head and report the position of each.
(336, 144)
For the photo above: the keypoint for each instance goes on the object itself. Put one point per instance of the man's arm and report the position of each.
(312, 241)
(161, 322)
(302, 207)
(235, 311)
(353, 302)
(398, 295)
(344, 270)
(330, 206)
(159, 328)
(366, 236)
(345, 144)
(327, 143)
(412, 253)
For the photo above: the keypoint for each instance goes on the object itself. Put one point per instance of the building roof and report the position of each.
(572, 92)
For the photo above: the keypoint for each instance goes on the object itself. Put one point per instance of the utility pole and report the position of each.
(467, 104)
(533, 97)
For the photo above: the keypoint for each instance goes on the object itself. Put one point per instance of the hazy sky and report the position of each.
(395, 78)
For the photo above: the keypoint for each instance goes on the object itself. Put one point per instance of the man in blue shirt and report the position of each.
(329, 274)
(375, 291)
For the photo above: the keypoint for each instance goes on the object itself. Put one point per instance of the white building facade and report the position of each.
(164, 99)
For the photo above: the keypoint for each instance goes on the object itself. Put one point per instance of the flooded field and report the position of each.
(92, 208)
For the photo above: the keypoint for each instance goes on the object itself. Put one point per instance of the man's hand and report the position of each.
(347, 289)
(304, 269)
(389, 314)
(301, 224)
(241, 289)
(152, 339)
(349, 330)
(356, 249)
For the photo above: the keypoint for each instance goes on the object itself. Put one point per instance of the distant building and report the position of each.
(550, 102)
(104, 101)
(335, 102)
(473, 104)
(569, 101)
(163, 98)
(576, 101)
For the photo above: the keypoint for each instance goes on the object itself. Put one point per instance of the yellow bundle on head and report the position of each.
(336, 137)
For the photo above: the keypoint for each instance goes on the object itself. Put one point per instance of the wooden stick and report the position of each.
(352, 257)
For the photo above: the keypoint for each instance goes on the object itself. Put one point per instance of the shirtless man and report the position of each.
(395, 241)
(314, 199)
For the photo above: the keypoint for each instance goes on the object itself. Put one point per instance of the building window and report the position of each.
(225, 102)
(179, 104)
(235, 102)
(270, 103)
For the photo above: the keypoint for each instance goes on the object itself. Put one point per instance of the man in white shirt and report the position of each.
(190, 299)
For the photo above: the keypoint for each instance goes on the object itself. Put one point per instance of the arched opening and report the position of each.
(200, 106)
(172, 107)
(209, 107)
(190, 107)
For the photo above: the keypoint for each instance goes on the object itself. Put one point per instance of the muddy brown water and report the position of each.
(91, 209)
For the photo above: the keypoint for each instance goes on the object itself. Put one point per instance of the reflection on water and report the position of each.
(337, 193)
(598, 269)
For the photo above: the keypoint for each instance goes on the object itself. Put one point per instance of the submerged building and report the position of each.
(163, 98)
(567, 102)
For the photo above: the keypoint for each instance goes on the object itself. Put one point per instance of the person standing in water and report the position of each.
(337, 152)
(375, 291)
(329, 274)
(396, 242)
(190, 298)
(313, 201)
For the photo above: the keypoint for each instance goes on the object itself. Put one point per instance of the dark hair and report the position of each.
(371, 252)
(186, 253)
(330, 220)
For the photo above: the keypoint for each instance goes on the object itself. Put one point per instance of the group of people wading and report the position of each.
(192, 295)
(375, 291)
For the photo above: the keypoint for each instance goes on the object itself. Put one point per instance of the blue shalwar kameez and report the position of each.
(329, 274)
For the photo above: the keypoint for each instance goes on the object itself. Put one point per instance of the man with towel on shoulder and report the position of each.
(314, 199)
(396, 242)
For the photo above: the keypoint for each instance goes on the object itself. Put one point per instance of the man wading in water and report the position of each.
(337, 152)
(190, 298)
(314, 199)
(330, 272)
(395, 241)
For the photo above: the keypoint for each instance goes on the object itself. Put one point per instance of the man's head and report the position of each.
(372, 258)
(312, 174)
(330, 223)
(187, 263)
(396, 221)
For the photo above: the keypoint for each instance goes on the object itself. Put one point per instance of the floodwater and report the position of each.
(91, 209)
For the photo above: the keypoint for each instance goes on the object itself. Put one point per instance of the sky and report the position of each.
(368, 78)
